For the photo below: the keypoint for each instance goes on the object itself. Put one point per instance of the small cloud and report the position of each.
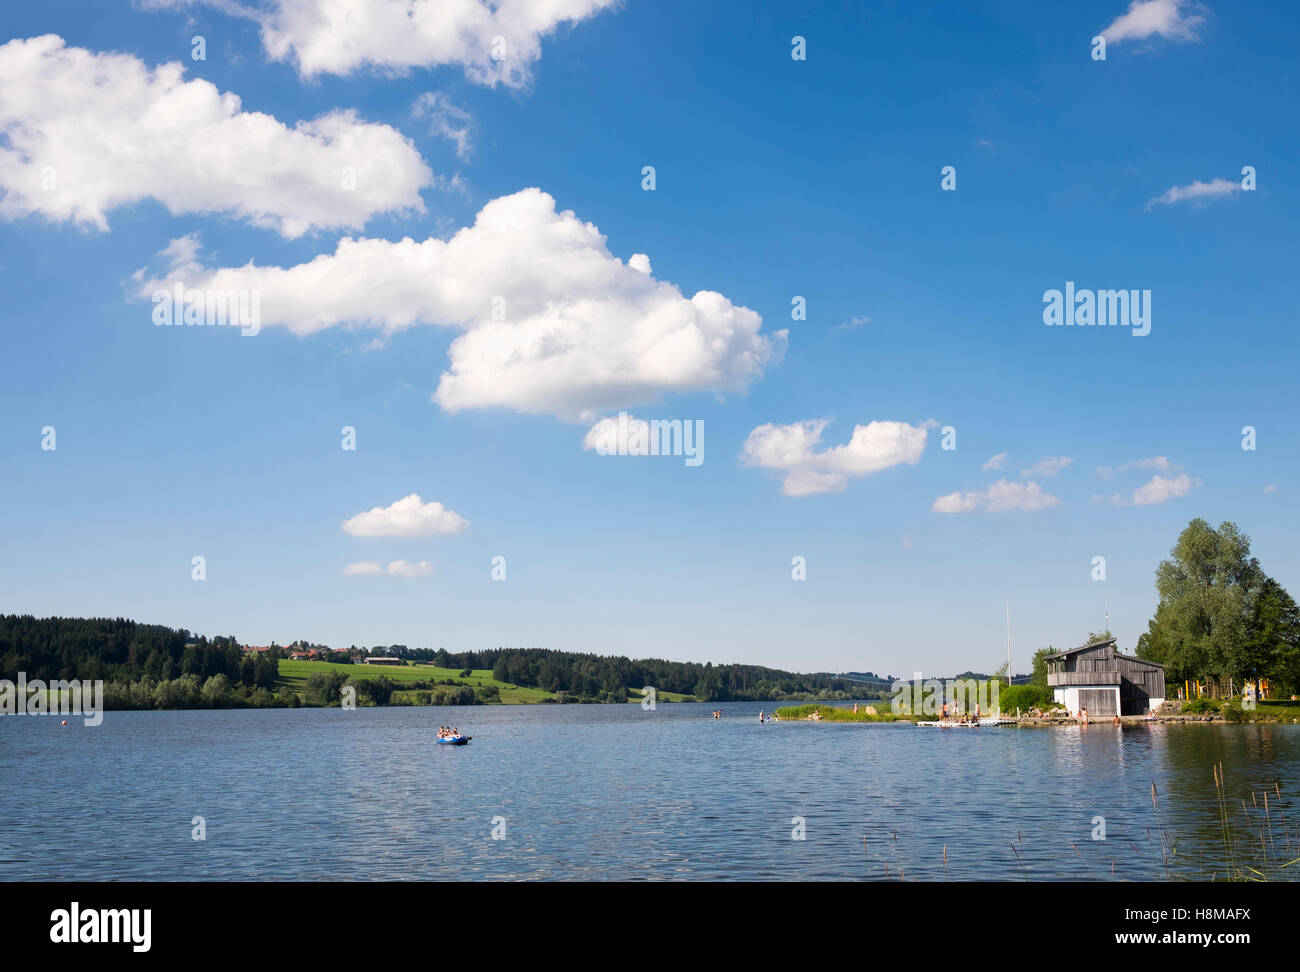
(400, 568)
(852, 324)
(408, 517)
(1001, 497)
(1159, 463)
(396, 568)
(1171, 19)
(983, 143)
(446, 120)
(792, 450)
(1270, 488)
(1161, 489)
(1051, 466)
(1198, 193)
(907, 542)
(995, 462)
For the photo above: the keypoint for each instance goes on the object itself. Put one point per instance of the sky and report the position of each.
(447, 240)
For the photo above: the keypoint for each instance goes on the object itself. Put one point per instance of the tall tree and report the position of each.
(1040, 666)
(1207, 594)
(1273, 648)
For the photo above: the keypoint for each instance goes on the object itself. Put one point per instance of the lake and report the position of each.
(613, 792)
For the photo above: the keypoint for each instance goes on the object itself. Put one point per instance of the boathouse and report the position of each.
(1098, 678)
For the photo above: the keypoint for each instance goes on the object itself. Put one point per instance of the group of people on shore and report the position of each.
(948, 713)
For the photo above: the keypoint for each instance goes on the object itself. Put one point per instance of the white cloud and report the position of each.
(583, 332)
(1170, 19)
(1162, 488)
(1051, 466)
(1159, 463)
(342, 36)
(1198, 193)
(408, 517)
(995, 462)
(400, 568)
(853, 323)
(110, 131)
(446, 120)
(791, 449)
(998, 498)
(396, 568)
(1271, 488)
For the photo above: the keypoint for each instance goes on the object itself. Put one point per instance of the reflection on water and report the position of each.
(616, 792)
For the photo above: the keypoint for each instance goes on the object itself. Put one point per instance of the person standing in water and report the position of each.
(760, 715)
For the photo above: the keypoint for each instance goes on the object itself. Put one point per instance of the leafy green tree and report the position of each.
(1207, 589)
(1273, 648)
(217, 692)
(1040, 667)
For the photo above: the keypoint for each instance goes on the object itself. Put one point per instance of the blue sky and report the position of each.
(775, 178)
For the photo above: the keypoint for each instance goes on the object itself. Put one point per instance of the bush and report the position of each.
(325, 688)
(1024, 698)
(379, 690)
(1200, 706)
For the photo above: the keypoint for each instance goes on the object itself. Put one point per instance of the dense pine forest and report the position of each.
(144, 666)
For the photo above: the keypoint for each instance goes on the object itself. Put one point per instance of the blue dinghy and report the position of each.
(454, 741)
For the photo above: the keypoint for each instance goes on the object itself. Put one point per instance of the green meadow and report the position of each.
(294, 675)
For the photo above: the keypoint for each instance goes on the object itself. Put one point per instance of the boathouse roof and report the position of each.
(1115, 653)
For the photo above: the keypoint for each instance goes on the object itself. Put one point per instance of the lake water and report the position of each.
(610, 792)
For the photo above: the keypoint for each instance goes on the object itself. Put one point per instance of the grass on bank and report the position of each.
(1232, 710)
(835, 713)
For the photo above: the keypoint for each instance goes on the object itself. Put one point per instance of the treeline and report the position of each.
(327, 688)
(1221, 617)
(609, 678)
(191, 692)
(143, 666)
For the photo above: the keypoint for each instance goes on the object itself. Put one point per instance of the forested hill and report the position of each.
(118, 650)
(122, 651)
(591, 676)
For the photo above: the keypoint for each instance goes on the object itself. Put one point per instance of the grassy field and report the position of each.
(294, 675)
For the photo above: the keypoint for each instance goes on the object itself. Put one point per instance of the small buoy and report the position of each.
(64, 722)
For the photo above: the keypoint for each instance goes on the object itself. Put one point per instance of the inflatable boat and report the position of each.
(454, 740)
